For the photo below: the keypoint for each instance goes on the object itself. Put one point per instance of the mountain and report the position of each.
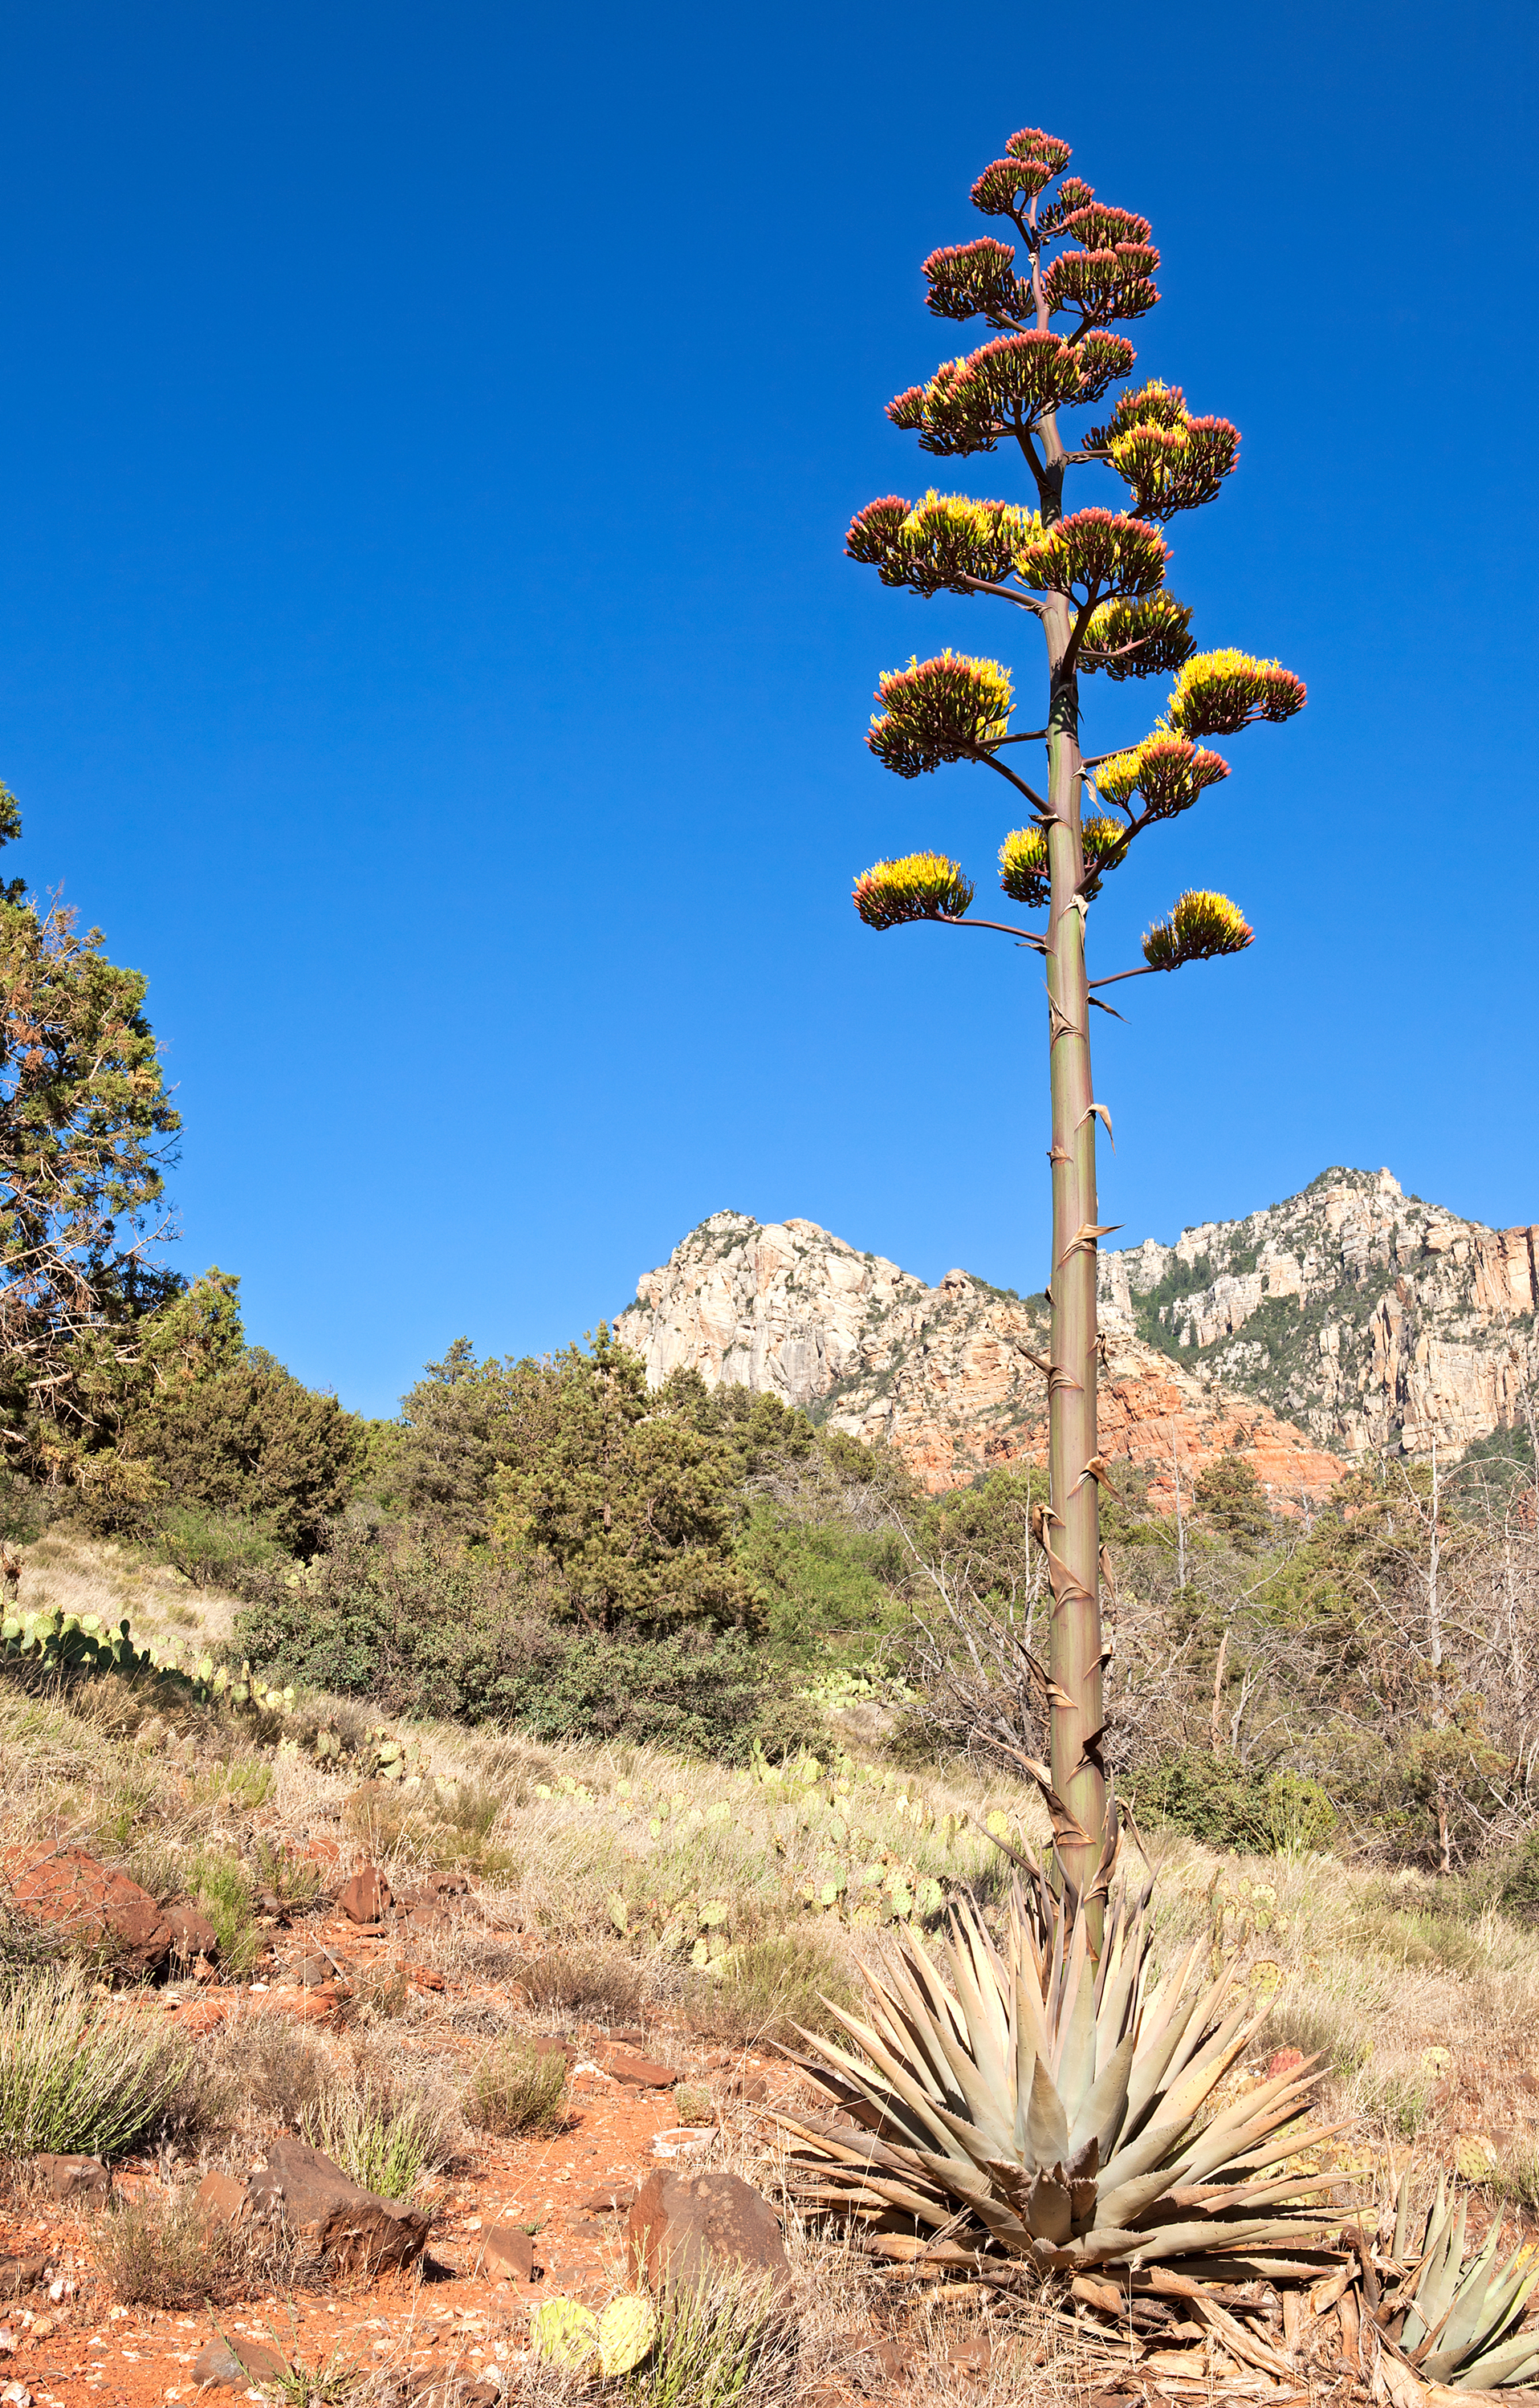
(1349, 1317)
(1368, 1317)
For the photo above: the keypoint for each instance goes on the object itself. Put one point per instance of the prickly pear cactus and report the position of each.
(627, 2330)
(565, 2332)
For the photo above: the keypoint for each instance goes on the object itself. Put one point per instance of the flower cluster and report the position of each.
(1145, 634)
(1094, 552)
(1170, 460)
(941, 542)
(1007, 183)
(1023, 868)
(973, 280)
(1023, 860)
(1201, 926)
(921, 886)
(948, 709)
(1165, 772)
(1217, 694)
(1007, 386)
(1096, 227)
(1103, 284)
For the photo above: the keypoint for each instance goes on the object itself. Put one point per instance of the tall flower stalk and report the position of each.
(1094, 580)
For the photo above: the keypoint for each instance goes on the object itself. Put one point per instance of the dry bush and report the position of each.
(276, 2069)
(160, 2252)
(603, 1983)
(771, 1988)
(518, 2088)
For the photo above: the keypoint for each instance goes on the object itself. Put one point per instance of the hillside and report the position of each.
(1345, 1318)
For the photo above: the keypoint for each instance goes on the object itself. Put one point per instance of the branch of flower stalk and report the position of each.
(1007, 593)
(1023, 936)
(1144, 969)
(1019, 784)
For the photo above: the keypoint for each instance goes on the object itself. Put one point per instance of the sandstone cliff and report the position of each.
(942, 1373)
(1366, 1316)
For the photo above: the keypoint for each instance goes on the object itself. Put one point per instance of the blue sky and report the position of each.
(427, 651)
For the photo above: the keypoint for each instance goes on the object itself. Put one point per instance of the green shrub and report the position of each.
(425, 1628)
(1517, 1887)
(73, 2077)
(388, 2148)
(215, 1550)
(518, 2088)
(1216, 1801)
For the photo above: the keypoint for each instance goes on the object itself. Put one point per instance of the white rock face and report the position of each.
(1372, 1319)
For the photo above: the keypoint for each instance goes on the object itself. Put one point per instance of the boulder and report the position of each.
(221, 2198)
(94, 1907)
(682, 2223)
(192, 1934)
(72, 2177)
(368, 1896)
(354, 2230)
(508, 2253)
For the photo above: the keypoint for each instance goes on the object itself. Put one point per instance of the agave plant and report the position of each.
(1058, 2109)
(1455, 2320)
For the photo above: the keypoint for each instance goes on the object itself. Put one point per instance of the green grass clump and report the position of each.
(722, 2342)
(73, 2077)
(386, 2146)
(517, 2088)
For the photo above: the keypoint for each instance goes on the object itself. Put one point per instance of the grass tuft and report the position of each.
(722, 2342)
(599, 1982)
(163, 2253)
(517, 2088)
(75, 2075)
(388, 2147)
(770, 1988)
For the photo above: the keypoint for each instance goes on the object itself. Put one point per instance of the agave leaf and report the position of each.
(1049, 2211)
(1101, 2112)
(1467, 2317)
(1046, 2125)
(1075, 2070)
(1435, 2291)
(1511, 2361)
(1403, 2219)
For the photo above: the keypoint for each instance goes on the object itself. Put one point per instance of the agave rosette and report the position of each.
(1048, 2107)
(1456, 2320)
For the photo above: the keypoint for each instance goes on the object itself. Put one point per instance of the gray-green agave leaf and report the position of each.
(1457, 2320)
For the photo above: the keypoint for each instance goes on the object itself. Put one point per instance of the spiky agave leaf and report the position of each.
(951, 707)
(1202, 928)
(1057, 2110)
(1457, 2320)
(921, 886)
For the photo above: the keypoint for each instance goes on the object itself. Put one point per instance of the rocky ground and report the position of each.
(389, 1923)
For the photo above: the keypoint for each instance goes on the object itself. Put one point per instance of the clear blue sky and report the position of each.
(428, 652)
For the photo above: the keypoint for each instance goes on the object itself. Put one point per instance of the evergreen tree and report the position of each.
(1094, 580)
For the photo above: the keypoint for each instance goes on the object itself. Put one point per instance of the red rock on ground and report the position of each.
(72, 2177)
(369, 1896)
(508, 2253)
(192, 1934)
(679, 2222)
(352, 2230)
(643, 2070)
(95, 1908)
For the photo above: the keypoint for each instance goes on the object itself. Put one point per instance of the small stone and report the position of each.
(217, 2363)
(16, 2395)
(72, 2177)
(508, 2253)
(642, 2071)
(41, 2327)
(368, 1896)
(221, 2198)
(609, 2202)
(969, 2358)
(192, 1935)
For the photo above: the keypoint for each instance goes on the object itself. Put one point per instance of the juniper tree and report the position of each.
(1094, 580)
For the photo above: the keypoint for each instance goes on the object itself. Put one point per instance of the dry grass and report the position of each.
(518, 2088)
(603, 1984)
(159, 2252)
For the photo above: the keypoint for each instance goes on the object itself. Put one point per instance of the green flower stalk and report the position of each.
(1094, 580)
